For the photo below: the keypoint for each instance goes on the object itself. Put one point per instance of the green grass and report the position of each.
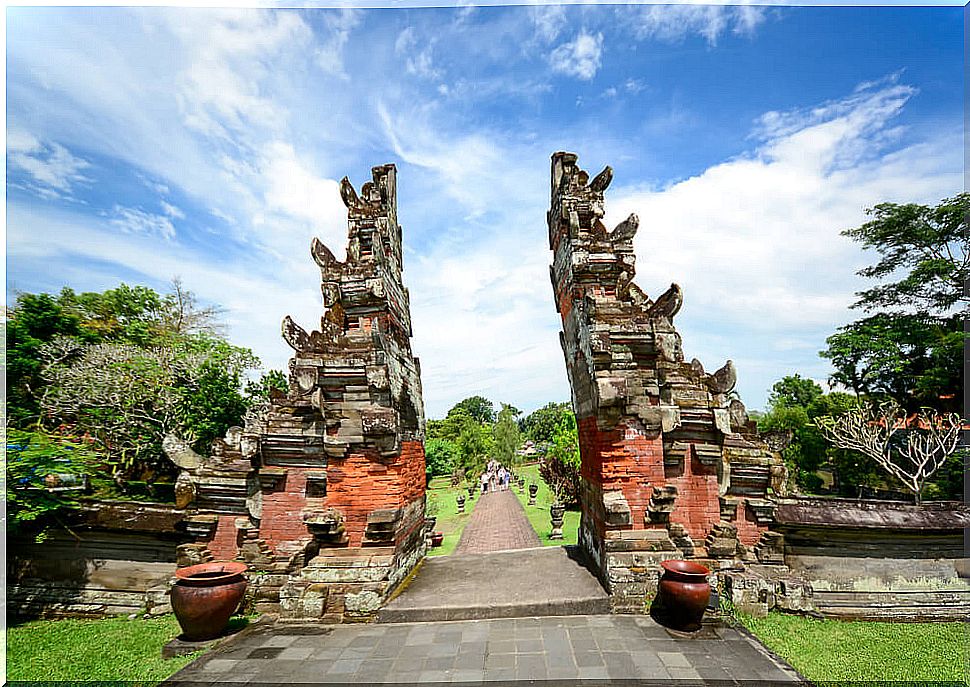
(539, 514)
(837, 650)
(450, 521)
(108, 649)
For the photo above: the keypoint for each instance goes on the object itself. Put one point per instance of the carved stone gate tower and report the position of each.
(324, 490)
(671, 465)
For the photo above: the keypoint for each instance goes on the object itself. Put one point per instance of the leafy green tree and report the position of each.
(35, 320)
(128, 398)
(909, 348)
(441, 457)
(478, 407)
(561, 466)
(270, 381)
(540, 425)
(506, 435)
(33, 459)
(793, 405)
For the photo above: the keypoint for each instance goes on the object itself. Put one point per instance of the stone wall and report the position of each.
(671, 464)
(118, 558)
(322, 493)
(878, 559)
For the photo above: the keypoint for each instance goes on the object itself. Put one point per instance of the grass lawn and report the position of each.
(838, 650)
(450, 521)
(108, 649)
(539, 514)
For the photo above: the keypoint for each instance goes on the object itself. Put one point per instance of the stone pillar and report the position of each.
(660, 438)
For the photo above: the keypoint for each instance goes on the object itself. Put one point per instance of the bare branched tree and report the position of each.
(929, 438)
(184, 315)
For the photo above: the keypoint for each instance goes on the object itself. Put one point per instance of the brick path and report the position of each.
(498, 523)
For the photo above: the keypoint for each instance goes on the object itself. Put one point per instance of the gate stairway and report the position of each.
(544, 581)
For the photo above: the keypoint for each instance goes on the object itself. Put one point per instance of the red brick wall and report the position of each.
(356, 486)
(630, 460)
(223, 546)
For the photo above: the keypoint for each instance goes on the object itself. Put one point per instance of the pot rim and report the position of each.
(231, 570)
(686, 569)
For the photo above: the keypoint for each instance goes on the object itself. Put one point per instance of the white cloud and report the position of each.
(330, 54)
(674, 23)
(580, 57)
(418, 59)
(755, 241)
(549, 20)
(172, 211)
(52, 168)
(137, 221)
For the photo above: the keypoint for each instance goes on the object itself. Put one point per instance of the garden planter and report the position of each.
(471, 492)
(205, 595)
(556, 512)
(461, 502)
(684, 593)
(429, 523)
(533, 490)
(437, 538)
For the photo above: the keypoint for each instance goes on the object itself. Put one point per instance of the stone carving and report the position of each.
(662, 440)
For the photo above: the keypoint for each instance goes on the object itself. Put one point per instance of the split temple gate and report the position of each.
(322, 493)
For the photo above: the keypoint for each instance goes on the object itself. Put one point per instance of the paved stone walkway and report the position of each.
(498, 523)
(579, 650)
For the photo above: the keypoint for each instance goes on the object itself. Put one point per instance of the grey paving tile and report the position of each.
(499, 674)
(528, 646)
(469, 660)
(439, 663)
(467, 675)
(373, 670)
(673, 660)
(472, 647)
(409, 663)
(277, 640)
(219, 665)
(561, 672)
(433, 676)
(584, 645)
(344, 666)
(502, 646)
(499, 661)
(593, 673)
(533, 664)
(587, 659)
(296, 653)
(439, 650)
(684, 674)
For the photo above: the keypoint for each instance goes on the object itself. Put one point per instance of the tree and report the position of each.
(127, 398)
(478, 407)
(908, 349)
(793, 405)
(36, 462)
(560, 467)
(506, 435)
(540, 425)
(442, 457)
(928, 247)
(929, 438)
(35, 320)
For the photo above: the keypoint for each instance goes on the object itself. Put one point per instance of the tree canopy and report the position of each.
(909, 348)
(124, 367)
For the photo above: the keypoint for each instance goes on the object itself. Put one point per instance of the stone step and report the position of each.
(545, 581)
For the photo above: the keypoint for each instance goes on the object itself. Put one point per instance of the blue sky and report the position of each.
(147, 143)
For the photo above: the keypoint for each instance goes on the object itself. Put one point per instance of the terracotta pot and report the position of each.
(437, 538)
(684, 593)
(205, 595)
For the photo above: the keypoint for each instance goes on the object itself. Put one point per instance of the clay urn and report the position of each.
(205, 596)
(437, 538)
(684, 593)
(533, 489)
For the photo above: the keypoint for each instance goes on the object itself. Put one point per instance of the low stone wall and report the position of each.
(118, 558)
(878, 559)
